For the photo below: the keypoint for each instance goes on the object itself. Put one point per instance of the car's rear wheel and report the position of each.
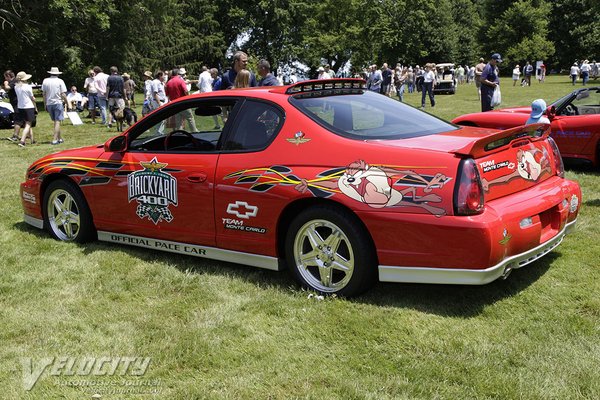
(66, 213)
(329, 251)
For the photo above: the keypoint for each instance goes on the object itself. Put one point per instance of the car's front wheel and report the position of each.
(66, 213)
(329, 251)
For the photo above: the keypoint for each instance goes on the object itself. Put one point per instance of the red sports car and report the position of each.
(575, 120)
(341, 185)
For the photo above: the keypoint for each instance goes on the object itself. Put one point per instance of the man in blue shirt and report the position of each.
(264, 70)
(489, 82)
(240, 62)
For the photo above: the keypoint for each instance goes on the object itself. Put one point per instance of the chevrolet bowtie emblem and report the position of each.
(241, 209)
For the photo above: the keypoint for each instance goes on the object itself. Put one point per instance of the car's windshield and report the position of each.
(558, 103)
(369, 115)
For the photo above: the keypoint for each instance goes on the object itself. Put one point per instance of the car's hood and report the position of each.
(89, 152)
(520, 110)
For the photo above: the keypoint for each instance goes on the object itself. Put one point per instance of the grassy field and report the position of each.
(218, 330)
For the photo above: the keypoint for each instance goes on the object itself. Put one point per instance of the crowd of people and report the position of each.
(584, 70)
(108, 95)
(484, 75)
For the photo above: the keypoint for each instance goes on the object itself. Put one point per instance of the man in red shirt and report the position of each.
(174, 89)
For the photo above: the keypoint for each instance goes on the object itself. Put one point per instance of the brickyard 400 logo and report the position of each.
(154, 190)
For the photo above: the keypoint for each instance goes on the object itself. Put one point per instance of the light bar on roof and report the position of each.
(334, 86)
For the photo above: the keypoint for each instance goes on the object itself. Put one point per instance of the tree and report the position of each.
(575, 30)
(521, 33)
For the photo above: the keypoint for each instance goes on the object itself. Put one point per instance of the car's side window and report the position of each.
(256, 125)
(188, 127)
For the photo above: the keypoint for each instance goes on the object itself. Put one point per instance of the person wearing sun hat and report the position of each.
(574, 73)
(585, 71)
(55, 95)
(538, 107)
(27, 107)
(129, 86)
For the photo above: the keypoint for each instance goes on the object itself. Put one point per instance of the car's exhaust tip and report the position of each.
(506, 272)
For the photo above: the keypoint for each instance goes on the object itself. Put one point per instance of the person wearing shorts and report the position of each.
(26, 105)
(478, 71)
(115, 92)
(55, 96)
(9, 85)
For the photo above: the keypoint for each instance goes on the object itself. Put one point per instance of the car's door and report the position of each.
(163, 184)
(246, 213)
(577, 124)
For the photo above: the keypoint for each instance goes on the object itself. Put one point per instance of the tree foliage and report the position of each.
(146, 35)
(521, 32)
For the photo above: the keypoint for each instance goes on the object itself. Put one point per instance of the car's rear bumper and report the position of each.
(511, 232)
(389, 273)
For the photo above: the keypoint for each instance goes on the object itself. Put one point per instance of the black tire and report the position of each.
(329, 251)
(66, 213)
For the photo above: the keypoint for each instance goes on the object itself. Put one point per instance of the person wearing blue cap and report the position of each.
(537, 113)
(489, 82)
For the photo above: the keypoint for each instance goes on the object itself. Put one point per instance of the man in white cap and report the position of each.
(537, 113)
(55, 95)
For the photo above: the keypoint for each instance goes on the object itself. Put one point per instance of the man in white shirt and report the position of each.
(159, 97)
(100, 81)
(55, 95)
(205, 80)
(75, 101)
(585, 71)
(428, 82)
(574, 73)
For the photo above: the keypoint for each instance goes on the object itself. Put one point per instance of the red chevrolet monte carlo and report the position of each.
(575, 120)
(341, 185)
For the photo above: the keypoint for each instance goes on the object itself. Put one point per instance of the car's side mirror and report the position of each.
(117, 144)
(551, 112)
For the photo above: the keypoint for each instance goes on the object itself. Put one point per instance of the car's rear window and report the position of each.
(368, 115)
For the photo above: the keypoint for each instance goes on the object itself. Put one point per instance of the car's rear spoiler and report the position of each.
(496, 141)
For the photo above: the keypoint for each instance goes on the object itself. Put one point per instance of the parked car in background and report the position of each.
(340, 185)
(6, 113)
(575, 123)
(445, 79)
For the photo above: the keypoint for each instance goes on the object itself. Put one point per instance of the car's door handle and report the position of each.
(197, 178)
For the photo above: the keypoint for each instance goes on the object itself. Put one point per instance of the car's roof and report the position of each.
(299, 87)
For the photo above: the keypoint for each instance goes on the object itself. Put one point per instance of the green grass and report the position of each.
(218, 330)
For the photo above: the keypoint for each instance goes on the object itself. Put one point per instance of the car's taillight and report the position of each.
(558, 162)
(468, 193)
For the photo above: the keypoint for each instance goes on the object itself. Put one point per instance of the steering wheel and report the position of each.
(179, 132)
(570, 110)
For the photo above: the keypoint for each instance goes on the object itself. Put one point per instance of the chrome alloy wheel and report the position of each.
(63, 215)
(323, 256)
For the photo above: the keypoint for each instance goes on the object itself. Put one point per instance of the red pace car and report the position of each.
(341, 185)
(575, 121)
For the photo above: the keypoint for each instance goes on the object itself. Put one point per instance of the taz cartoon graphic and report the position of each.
(374, 186)
(531, 164)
